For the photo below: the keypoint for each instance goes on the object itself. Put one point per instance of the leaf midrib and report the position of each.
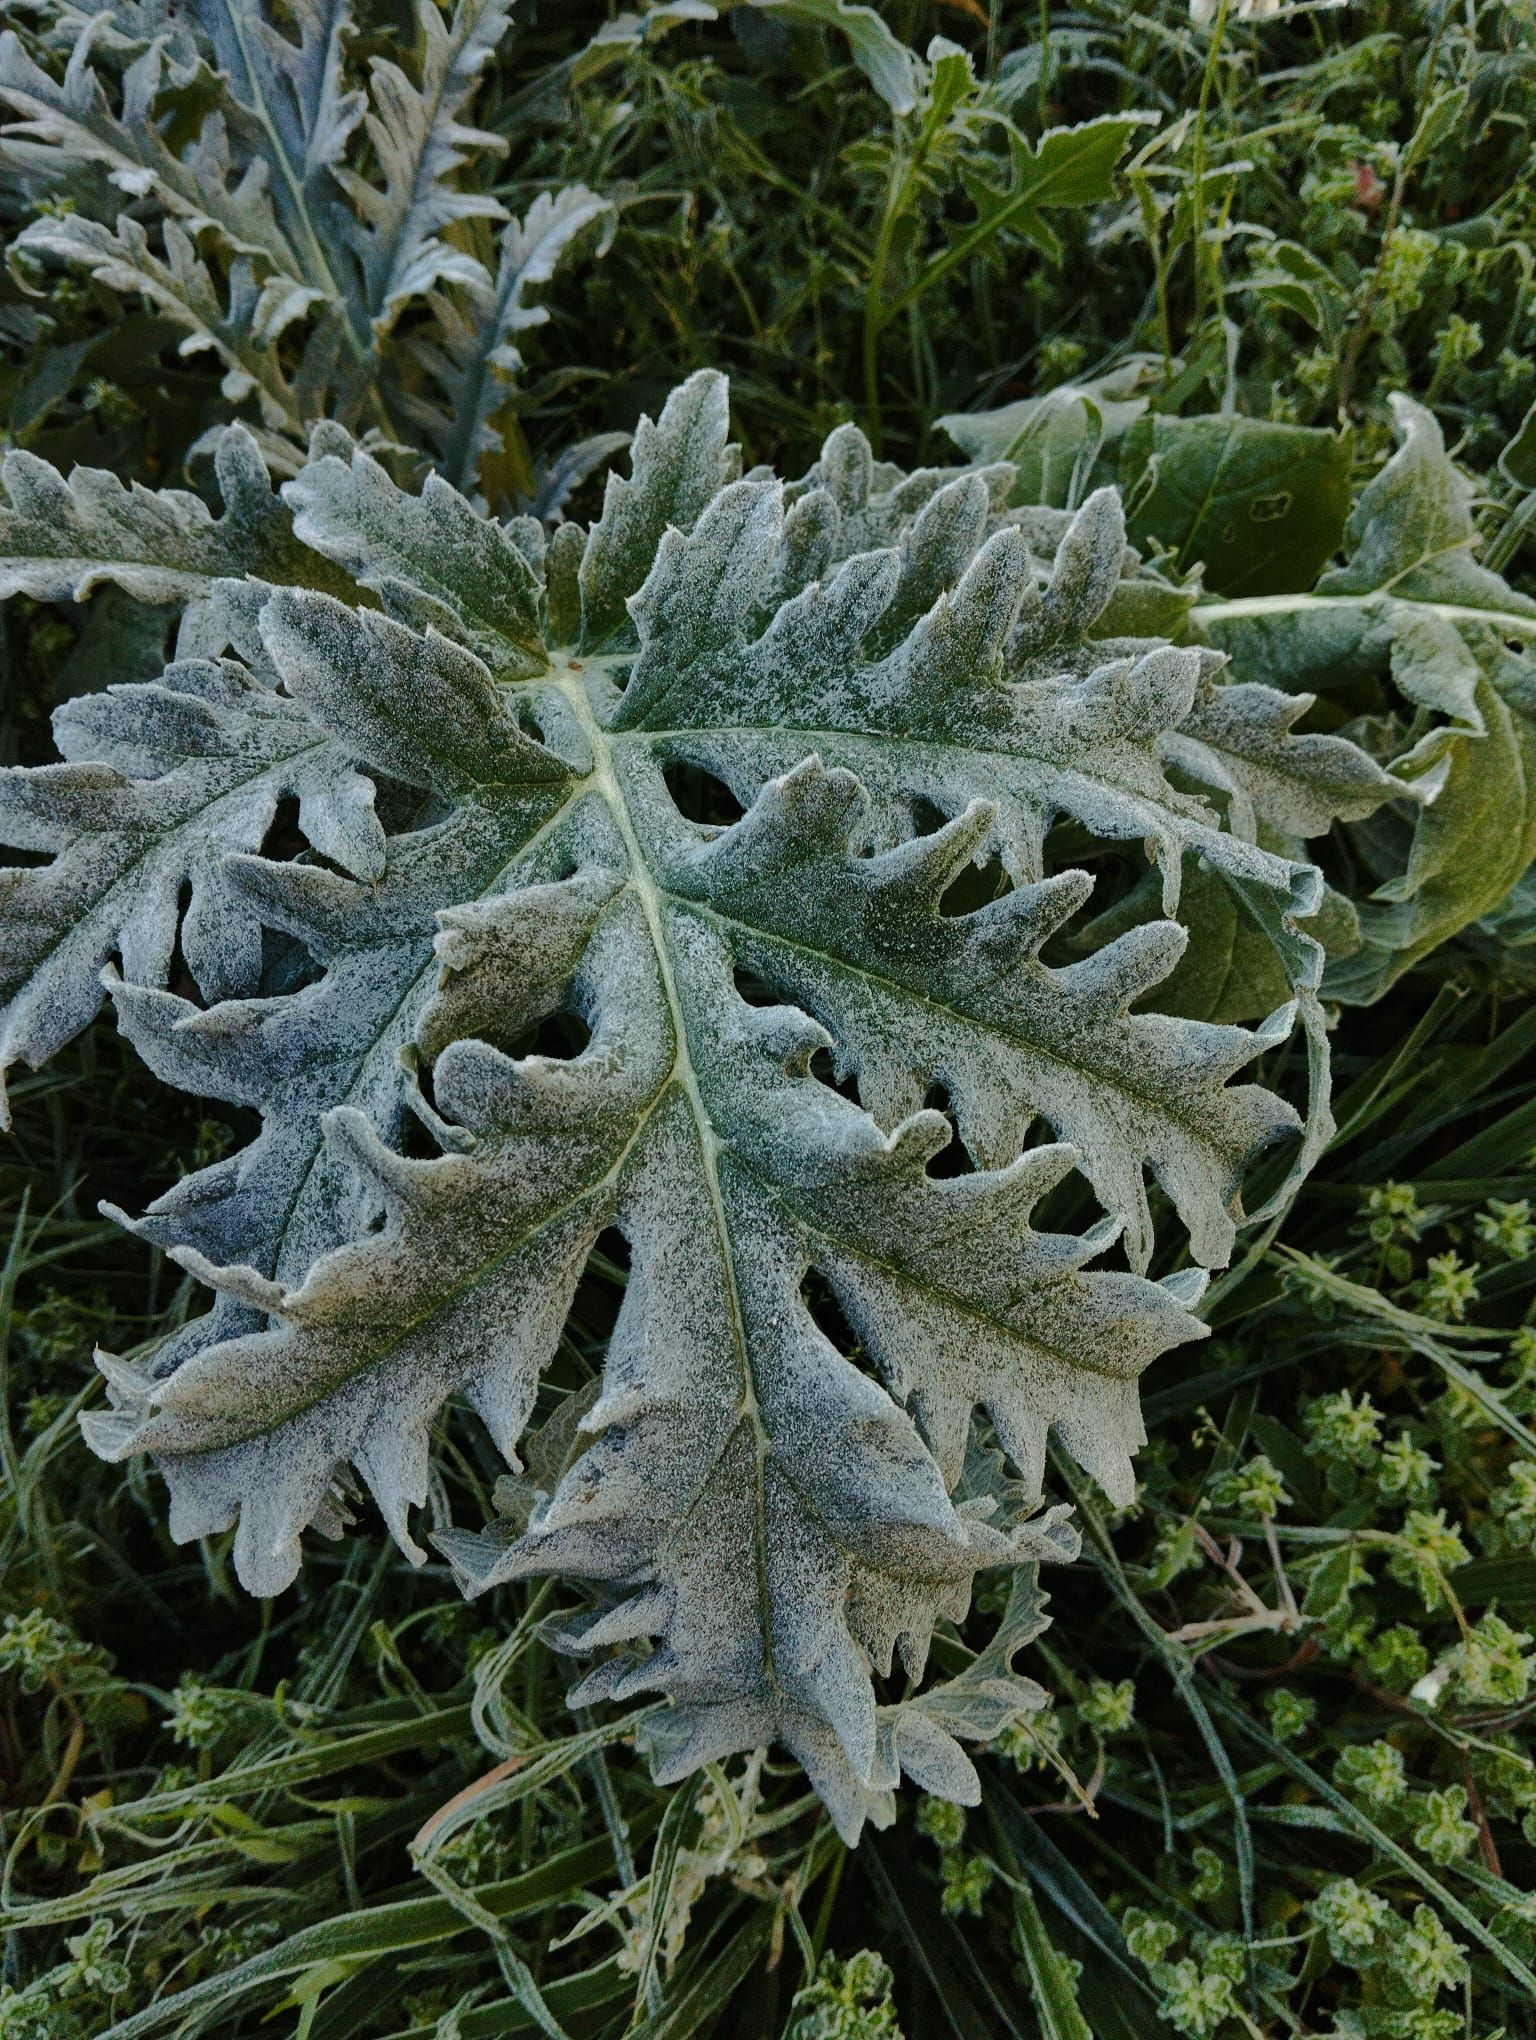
(1520, 621)
(649, 896)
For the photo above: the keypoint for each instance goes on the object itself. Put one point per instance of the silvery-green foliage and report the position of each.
(790, 1020)
(62, 538)
(310, 206)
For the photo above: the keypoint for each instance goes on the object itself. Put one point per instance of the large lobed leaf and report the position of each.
(796, 1020)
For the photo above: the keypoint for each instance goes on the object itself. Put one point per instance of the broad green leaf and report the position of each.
(1069, 167)
(885, 60)
(1260, 505)
(1518, 460)
(1290, 275)
(1474, 839)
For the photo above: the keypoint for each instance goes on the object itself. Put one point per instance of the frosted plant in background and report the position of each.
(783, 1029)
(257, 237)
(329, 228)
(1203, 12)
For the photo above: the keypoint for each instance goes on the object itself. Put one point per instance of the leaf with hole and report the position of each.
(695, 876)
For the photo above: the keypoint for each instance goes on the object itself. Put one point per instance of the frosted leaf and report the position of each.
(183, 290)
(768, 1503)
(60, 539)
(474, 354)
(58, 126)
(160, 782)
(281, 190)
(419, 139)
(431, 558)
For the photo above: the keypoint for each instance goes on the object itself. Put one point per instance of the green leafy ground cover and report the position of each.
(1285, 1783)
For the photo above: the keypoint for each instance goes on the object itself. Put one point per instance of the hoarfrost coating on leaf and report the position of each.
(477, 722)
